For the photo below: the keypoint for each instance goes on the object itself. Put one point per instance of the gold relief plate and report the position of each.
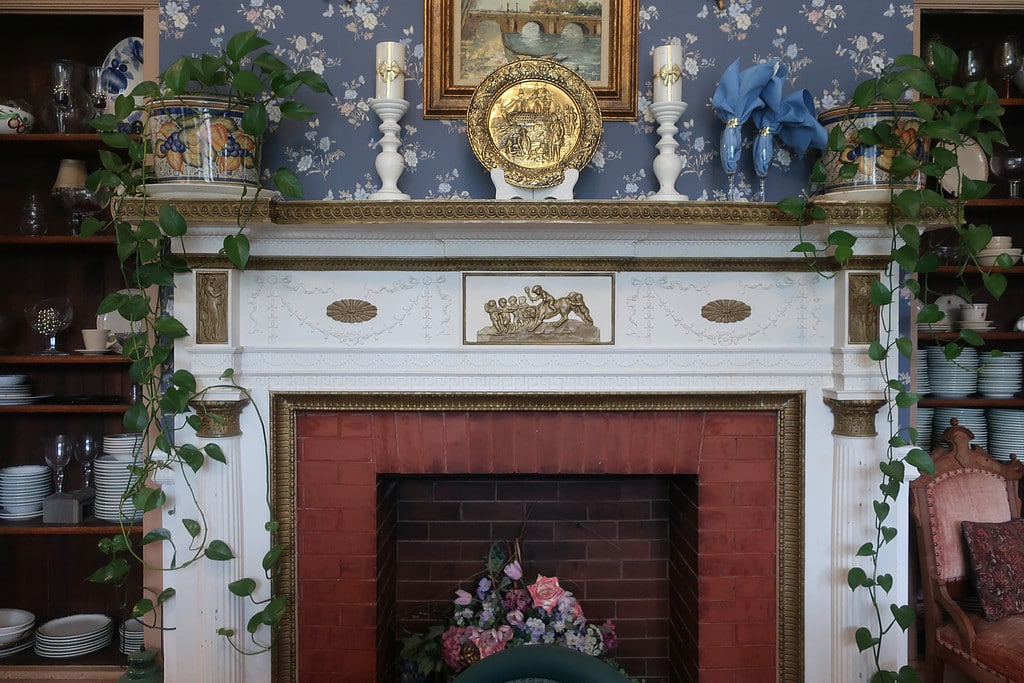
(534, 118)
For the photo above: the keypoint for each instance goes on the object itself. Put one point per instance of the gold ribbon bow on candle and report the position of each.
(389, 71)
(669, 73)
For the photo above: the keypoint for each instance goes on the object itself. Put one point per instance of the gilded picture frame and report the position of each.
(466, 39)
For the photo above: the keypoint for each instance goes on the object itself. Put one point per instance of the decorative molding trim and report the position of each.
(862, 315)
(619, 265)
(212, 307)
(854, 417)
(790, 409)
(218, 419)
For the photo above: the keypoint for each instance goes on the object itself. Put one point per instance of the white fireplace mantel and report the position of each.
(668, 260)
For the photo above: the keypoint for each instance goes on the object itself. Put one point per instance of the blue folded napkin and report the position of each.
(794, 121)
(738, 95)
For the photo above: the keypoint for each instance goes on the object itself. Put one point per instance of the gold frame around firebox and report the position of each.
(789, 406)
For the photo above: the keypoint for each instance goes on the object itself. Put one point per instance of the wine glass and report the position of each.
(48, 317)
(86, 449)
(1009, 165)
(97, 93)
(972, 65)
(79, 202)
(1007, 60)
(57, 453)
(729, 149)
(764, 151)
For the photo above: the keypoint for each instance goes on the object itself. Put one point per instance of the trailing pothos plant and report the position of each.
(244, 71)
(951, 117)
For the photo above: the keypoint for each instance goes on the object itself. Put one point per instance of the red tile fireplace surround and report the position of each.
(693, 517)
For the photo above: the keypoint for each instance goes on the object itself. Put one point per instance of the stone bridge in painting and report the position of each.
(513, 22)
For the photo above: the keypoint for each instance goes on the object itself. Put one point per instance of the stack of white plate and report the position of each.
(1000, 375)
(22, 489)
(131, 634)
(14, 390)
(74, 636)
(955, 378)
(111, 478)
(924, 385)
(925, 416)
(971, 418)
(123, 446)
(16, 633)
(1006, 433)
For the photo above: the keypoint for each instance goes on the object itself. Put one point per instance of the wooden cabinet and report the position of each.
(44, 566)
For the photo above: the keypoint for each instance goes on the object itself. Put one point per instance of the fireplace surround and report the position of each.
(799, 353)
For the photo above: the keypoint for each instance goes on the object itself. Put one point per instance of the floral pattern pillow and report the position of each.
(996, 554)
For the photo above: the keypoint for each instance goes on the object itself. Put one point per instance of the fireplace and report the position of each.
(717, 580)
(710, 316)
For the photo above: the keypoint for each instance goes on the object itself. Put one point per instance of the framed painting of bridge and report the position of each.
(465, 40)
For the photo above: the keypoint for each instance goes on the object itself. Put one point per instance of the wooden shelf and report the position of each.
(75, 241)
(90, 526)
(49, 143)
(70, 359)
(76, 408)
(923, 336)
(972, 402)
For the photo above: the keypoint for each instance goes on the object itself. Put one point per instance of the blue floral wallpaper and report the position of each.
(827, 46)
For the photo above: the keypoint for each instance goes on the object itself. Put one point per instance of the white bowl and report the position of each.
(15, 121)
(12, 380)
(989, 258)
(14, 623)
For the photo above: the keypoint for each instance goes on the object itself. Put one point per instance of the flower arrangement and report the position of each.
(503, 612)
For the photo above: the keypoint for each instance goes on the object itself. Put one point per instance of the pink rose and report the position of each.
(494, 640)
(546, 592)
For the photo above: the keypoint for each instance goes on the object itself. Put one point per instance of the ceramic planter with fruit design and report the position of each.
(201, 141)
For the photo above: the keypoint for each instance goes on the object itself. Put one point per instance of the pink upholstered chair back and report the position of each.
(953, 497)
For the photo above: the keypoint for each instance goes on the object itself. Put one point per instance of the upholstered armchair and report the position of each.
(546, 663)
(971, 551)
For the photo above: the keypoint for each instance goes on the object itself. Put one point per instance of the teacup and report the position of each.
(96, 340)
(973, 313)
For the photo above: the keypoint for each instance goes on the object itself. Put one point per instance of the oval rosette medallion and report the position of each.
(534, 118)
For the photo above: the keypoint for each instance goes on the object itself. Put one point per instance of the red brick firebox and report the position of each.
(723, 622)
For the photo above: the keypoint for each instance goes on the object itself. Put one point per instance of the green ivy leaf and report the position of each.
(142, 607)
(172, 222)
(857, 578)
(893, 469)
(191, 456)
(255, 119)
(218, 551)
(149, 498)
(136, 418)
(184, 380)
(236, 247)
(114, 572)
(876, 351)
(156, 536)
(995, 283)
(866, 550)
(165, 595)
(921, 460)
(881, 510)
(192, 527)
(888, 532)
(287, 183)
(242, 588)
(880, 294)
(885, 581)
(904, 615)
(865, 641)
(905, 399)
(792, 206)
(214, 452)
(272, 557)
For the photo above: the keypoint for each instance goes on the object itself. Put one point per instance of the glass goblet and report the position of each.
(86, 450)
(972, 65)
(729, 148)
(1008, 165)
(1007, 61)
(79, 202)
(48, 317)
(764, 151)
(57, 453)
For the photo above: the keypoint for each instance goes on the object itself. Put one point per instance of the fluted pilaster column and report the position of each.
(854, 486)
(219, 494)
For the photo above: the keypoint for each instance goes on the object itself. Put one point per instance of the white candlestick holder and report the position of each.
(389, 162)
(667, 164)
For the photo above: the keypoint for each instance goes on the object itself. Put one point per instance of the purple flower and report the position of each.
(464, 598)
(515, 617)
(513, 570)
(483, 587)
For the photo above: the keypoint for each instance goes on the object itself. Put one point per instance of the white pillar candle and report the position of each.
(390, 70)
(668, 74)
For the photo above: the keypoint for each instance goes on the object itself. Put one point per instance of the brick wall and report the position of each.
(342, 457)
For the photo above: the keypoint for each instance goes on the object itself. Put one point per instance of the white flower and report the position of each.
(305, 163)
(301, 44)
(316, 65)
(180, 20)
(690, 66)
(370, 21)
(325, 144)
(861, 43)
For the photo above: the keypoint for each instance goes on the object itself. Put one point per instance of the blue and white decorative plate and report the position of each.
(122, 71)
